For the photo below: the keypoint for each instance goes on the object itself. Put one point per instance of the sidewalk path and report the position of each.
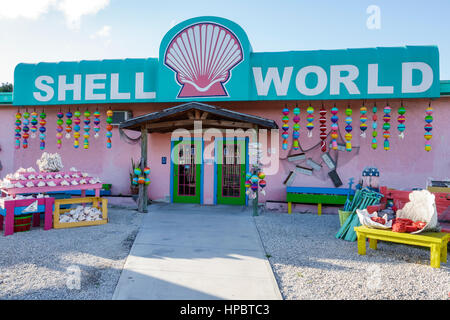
(185, 251)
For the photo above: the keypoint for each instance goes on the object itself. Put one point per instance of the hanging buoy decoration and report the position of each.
(25, 129)
(296, 129)
(141, 180)
(254, 181)
(109, 120)
(348, 129)
(86, 129)
(34, 122)
(310, 119)
(42, 129)
(334, 127)
(68, 124)
(135, 180)
(374, 127)
(363, 120)
(137, 171)
(428, 127)
(323, 128)
(59, 129)
(401, 121)
(76, 128)
(386, 126)
(285, 127)
(96, 123)
(146, 171)
(18, 129)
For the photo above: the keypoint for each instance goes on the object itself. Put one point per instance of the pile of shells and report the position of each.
(81, 213)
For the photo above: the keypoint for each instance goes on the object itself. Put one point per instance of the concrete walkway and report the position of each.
(186, 251)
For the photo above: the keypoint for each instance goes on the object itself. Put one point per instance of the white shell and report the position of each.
(51, 184)
(58, 176)
(41, 184)
(202, 55)
(74, 182)
(31, 176)
(65, 183)
(83, 181)
(30, 184)
(67, 176)
(19, 185)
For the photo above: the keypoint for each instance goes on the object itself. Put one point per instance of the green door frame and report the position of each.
(175, 196)
(218, 198)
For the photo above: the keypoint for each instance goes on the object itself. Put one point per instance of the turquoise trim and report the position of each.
(445, 87)
(171, 171)
(247, 165)
(215, 170)
(6, 97)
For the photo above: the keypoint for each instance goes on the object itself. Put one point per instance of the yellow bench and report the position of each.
(436, 241)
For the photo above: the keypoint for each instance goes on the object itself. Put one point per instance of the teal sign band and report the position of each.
(211, 59)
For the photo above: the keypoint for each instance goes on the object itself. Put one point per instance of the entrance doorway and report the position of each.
(231, 157)
(187, 171)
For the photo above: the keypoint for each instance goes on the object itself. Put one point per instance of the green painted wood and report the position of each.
(198, 154)
(315, 198)
(231, 200)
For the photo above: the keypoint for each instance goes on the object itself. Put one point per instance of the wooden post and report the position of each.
(255, 201)
(143, 195)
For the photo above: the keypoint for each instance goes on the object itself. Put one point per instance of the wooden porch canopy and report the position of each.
(184, 115)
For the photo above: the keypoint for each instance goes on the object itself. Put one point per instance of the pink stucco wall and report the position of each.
(405, 166)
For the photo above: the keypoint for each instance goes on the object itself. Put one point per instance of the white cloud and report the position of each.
(30, 9)
(73, 10)
(103, 32)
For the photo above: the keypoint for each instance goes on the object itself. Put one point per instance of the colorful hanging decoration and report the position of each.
(334, 127)
(374, 127)
(310, 119)
(86, 129)
(255, 180)
(25, 129)
(18, 129)
(147, 178)
(68, 124)
(323, 128)
(348, 129)
(96, 123)
(401, 121)
(363, 120)
(296, 129)
(285, 127)
(42, 129)
(34, 122)
(59, 129)
(109, 120)
(386, 126)
(428, 127)
(76, 128)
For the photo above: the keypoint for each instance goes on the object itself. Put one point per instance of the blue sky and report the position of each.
(66, 30)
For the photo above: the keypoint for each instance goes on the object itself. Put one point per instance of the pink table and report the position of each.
(9, 217)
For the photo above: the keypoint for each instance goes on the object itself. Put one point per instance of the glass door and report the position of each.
(187, 166)
(231, 155)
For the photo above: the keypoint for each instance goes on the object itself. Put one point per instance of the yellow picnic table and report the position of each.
(436, 241)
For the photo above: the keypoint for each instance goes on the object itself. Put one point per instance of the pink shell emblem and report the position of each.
(202, 56)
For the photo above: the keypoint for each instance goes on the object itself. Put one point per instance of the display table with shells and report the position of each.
(81, 215)
(41, 182)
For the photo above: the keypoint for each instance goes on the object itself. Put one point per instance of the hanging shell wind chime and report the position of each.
(42, 129)
(18, 129)
(334, 127)
(109, 120)
(69, 116)
(34, 122)
(386, 127)
(59, 129)
(428, 127)
(25, 129)
(86, 129)
(401, 121)
(323, 128)
(310, 119)
(285, 127)
(374, 127)
(296, 129)
(76, 129)
(255, 180)
(363, 120)
(348, 129)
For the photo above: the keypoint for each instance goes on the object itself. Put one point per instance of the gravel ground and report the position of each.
(39, 264)
(310, 263)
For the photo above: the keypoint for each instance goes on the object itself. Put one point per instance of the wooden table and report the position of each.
(436, 241)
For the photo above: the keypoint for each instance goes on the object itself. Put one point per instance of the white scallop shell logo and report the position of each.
(202, 56)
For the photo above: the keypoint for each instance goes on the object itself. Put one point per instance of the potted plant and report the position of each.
(134, 188)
